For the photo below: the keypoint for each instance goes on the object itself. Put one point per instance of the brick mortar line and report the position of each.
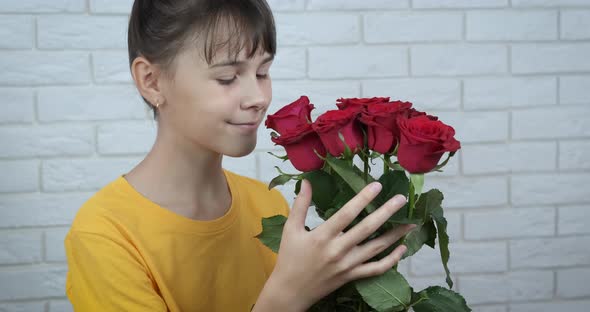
(559, 24)
(39, 178)
(17, 301)
(88, 12)
(496, 274)
(558, 87)
(557, 218)
(557, 157)
(464, 26)
(349, 44)
(29, 229)
(308, 79)
(32, 299)
(258, 165)
(361, 28)
(35, 33)
(27, 267)
(552, 300)
(409, 67)
(43, 247)
(32, 229)
(555, 285)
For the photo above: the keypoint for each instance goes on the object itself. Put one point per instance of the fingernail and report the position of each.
(400, 199)
(404, 249)
(375, 187)
(302, 189)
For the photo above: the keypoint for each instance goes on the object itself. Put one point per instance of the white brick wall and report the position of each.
(512, 77)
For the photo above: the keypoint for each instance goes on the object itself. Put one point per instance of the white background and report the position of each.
(512, 76)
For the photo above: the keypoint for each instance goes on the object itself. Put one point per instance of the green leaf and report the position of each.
(439, 299)
(443, 242)
(328, 213)
(387, 292)
(430, 206)
(418, 297)
(428, 202)
(272, 230)
(279, 180)
(343, 196)
(422, 234)
(394, 182)
(283, 173)
(297, 187)
(323, 188)
(347, 154)
(395, 149)
(437, 168)
(401, 217)
(350, 176)
(395, 166)
(374, 155)
(284, 158)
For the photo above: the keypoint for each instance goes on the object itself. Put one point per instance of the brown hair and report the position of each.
(160, 29)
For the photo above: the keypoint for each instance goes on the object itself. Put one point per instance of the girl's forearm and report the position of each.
(275, 296)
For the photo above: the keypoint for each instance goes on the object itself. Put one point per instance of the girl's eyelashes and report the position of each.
(227, 82)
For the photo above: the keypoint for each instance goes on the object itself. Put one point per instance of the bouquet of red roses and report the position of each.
(324, 151)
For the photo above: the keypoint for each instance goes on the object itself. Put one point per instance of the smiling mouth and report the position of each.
(246, 127)
(254, 123)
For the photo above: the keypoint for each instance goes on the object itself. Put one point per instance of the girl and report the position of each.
(176, 233)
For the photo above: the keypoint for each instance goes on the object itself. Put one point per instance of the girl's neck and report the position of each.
(182, 177)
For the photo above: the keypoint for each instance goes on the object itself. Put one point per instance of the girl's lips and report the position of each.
(247, 127)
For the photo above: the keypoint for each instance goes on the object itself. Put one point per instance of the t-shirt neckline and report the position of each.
(181, 223)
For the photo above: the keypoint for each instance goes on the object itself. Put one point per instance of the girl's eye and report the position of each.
(226, 82)
(261, 76)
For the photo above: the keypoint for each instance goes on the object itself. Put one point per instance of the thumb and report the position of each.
(300, 206)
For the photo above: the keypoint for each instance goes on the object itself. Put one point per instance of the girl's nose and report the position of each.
(256, 95)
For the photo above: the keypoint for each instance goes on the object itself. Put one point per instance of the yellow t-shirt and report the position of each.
(125, 253)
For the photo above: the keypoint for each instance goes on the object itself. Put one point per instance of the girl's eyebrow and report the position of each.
(240, 63)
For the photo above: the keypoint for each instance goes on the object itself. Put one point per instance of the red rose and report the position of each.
(411, 113)
(381, 121)
(331, 122)
(291, 116)
(423, 141)
(359, 104)
(299, 143)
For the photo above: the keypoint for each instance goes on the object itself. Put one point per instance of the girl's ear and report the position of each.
(146, 76)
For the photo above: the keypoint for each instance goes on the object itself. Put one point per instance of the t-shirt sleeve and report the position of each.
(284, 206)
(107, 275)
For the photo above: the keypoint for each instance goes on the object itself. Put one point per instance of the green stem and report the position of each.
(366, 169)
(411, 201)
(385, 166)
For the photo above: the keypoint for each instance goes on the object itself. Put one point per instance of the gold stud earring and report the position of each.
(157, 104)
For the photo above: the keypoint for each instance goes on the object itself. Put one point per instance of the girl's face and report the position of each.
(217, 106)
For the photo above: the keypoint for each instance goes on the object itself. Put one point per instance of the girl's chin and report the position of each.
(242, 149)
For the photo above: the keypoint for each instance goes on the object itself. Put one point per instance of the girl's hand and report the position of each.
(312, 264)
